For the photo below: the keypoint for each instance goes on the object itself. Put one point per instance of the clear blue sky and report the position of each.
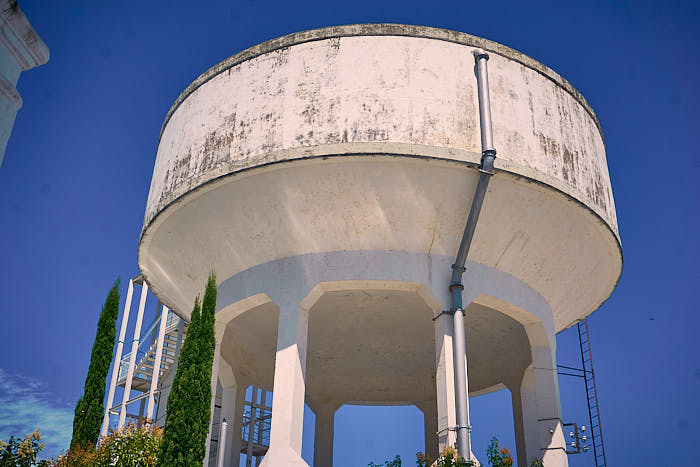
(76, 173)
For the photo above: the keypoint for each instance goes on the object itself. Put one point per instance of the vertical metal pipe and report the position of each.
(222, 443)
(482, 81)
(461, 386)
(488, 154)
(116, 365)
(132, 357)
(155, 376)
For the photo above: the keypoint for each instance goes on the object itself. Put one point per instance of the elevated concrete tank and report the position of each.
(326, 177)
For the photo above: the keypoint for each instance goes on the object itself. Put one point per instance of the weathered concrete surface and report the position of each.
(308, 144)
(369, 340)
(21, 49)
(323, 88)
(326, 177)
(373, 204)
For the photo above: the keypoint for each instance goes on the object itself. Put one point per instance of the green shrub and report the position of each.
(189, 404)
(498, 457)
(90, 408)
(393, 463)
(131, 446)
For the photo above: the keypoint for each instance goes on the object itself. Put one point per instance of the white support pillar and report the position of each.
(233, 404)
(156, 363)
(537, 410)
(232, 400)
(522, 446)
(445, 384)
(116, 363)
(289, 390)
(550, 424)
(132, 357)
(323, 437)
(429, 410)
(444, 381)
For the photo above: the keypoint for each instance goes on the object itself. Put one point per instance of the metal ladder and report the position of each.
(591, 394)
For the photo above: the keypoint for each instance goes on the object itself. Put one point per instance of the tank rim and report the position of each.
(381, 29)
(473, 165)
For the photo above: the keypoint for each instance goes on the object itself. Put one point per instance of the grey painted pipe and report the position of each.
(488, 154)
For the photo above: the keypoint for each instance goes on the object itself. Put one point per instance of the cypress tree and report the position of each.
(90, 408)
(207, 347)
(189, 403)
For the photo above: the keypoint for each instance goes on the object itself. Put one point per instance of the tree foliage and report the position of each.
(189, 404)
(396, 462)
(90, 408)
(22, 452)
(498, 457)
(132, 446)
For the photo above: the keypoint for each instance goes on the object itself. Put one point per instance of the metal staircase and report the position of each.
(591, 394)
(146, 354)
(255, 435)
(255, 428)
(145, 361)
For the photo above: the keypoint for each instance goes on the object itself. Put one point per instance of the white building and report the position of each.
(21, 49)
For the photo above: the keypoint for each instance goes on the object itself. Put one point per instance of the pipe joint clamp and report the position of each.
(480, 53)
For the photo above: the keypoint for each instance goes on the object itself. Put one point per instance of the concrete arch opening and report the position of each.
(369, 343)
(529, 373)
(385, 429)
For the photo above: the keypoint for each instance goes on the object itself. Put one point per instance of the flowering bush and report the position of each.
(447, 458)
(130, 447)
(22, 453)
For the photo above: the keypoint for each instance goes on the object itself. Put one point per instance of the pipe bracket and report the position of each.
(443, 312)
(480, 53)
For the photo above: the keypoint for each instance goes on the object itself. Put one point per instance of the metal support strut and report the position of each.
(488, 154)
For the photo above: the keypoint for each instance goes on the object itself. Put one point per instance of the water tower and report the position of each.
(327, 177)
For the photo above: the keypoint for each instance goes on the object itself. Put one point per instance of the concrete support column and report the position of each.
(232, 400)
(116, 364)
(444, 381)
(550, 424)
(430, 424)
(132, 356)
(289, 389)
(323, 440)
(445, 384)
(234, 406)
(518, 426)
(539, 428)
